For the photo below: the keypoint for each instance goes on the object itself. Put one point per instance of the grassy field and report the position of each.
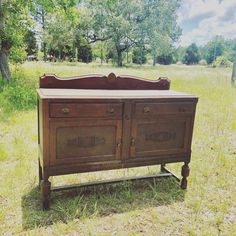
(208, 207)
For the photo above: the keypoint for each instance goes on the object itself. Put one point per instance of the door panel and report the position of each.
(160, 136)
(85, 141)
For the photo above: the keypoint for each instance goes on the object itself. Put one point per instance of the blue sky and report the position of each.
(201, 20)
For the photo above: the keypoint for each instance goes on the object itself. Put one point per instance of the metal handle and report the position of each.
(146, 109)
(65, 110)
(111, 110)
(119, 144)
(132, 141)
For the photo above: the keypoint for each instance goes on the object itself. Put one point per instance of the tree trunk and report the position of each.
(44, 52)
(4, 64)
(119, 59)
(101, 55)
(154, 61)
(233, 77)
(4, 46)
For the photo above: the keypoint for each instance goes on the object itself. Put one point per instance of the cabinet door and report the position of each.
(161, 136)
(84, 141)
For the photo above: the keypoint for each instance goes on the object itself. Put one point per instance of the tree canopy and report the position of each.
(192, 54)
(140, 30)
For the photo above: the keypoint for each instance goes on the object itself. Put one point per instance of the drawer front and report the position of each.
(160, 137)
(145, 110)
(85, 141)
(110, 110)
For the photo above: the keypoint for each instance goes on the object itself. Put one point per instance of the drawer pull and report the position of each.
(111, 110)
(119, 144)
(146, 109)
(182, 109)
(65, 110)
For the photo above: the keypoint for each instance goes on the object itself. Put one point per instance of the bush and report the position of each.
(19, 94)
(18, 55)
(203, 62)
(165, 59)
(139, 56)
(222, 61)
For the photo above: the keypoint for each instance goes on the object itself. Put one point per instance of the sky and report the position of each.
(201, 20)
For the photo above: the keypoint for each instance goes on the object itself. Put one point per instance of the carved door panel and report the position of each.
(85, 141)
(162, 136)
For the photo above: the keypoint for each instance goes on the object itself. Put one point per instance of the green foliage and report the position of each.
(15, 24)
(139, 56)
(59, 35)
(191, 55)
(30, 42)
(19, 94)
(127, 24)
(180, 53)
(230, 49)
(222, 61)
(214, 48)
(160, 28)
(18, 54)
(85, 53)
(84, 50)
(165, 59)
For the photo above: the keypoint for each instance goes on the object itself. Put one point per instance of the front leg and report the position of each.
(163, 168)
(45, 189)
(40, 173)
(185, 173)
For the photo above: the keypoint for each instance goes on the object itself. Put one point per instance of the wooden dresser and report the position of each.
(96, 122)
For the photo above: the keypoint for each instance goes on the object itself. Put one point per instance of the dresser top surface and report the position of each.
(109, 94)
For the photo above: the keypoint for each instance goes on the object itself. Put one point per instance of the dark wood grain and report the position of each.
(123, 82)
(85, 127)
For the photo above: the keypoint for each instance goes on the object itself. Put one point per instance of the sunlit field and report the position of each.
(207, 207)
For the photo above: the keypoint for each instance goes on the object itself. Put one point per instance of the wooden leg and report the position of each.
(40, 173)
(45, 189)
(185, 173)
(162, 167)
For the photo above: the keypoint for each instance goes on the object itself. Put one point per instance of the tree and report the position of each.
(41, 8)
(84, 49)
(15, 19)
(180, 53)
(165, 59)
(13, 23)
(30, 42)
(59, 35)
(113, 21)
(129, 23)
(233, 77)
(214, 48)
(191, 55)
(160, 26)
(139, 55)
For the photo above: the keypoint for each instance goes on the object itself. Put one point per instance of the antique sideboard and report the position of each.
(95, 122)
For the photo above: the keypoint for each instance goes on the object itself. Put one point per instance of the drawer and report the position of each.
(150, 109)
(88, 110)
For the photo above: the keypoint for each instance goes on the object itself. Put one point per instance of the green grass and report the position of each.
(208, 207)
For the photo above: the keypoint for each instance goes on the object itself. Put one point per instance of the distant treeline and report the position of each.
(117, 31)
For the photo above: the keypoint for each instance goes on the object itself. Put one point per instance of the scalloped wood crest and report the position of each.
(111, 81)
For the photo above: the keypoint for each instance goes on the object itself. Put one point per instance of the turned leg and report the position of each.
(45, 189)
(40, 173)
(163, 168)
(185, 174)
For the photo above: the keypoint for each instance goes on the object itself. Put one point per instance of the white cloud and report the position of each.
(211, 18)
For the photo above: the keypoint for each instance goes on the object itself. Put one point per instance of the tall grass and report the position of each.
(142, 208)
